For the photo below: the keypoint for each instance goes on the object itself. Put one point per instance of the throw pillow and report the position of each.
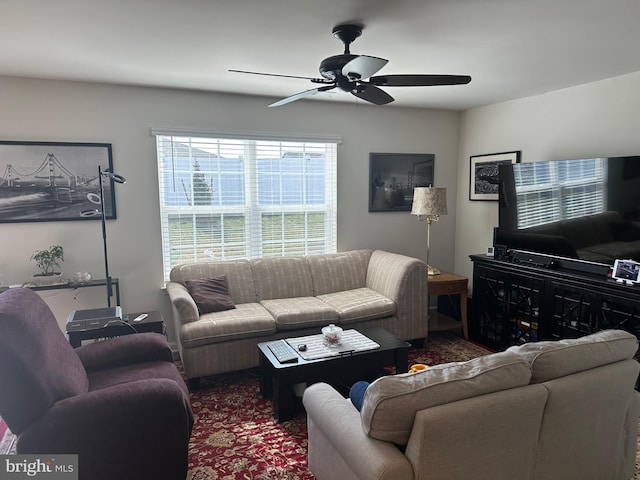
(211, 294)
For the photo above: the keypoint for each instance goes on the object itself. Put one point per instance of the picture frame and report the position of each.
(393, 176)
(53, 181)
(483, 174)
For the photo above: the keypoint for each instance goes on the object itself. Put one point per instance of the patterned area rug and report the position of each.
(235, 437)
(7, 439)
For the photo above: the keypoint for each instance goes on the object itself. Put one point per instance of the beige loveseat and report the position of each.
(279, 297)
(547, 410)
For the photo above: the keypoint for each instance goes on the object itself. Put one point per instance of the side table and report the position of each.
(153, 323)
(449, 284)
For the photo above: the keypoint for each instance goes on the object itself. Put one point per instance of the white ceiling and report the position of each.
(511, 48)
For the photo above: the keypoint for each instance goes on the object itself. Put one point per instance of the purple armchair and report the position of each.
(120, 404)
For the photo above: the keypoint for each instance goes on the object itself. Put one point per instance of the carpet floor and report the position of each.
(235, 436)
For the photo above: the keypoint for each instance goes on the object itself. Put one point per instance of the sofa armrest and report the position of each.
(339, 424)
(125, 350)
(184, 306)
(403, 279)
(388, 273)
(626, 230)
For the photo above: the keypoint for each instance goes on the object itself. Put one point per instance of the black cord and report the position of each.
(122, 322)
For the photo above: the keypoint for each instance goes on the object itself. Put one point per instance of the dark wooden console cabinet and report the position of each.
(517, 303)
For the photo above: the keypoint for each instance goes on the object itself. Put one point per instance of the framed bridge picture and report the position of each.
(53, 181)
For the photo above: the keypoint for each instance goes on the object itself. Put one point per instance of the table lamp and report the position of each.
(429, 203)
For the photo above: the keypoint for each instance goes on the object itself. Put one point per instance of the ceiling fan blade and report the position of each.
(298, 96)
(372, 94)
(419, 80)
(313, 79)
(362, 67)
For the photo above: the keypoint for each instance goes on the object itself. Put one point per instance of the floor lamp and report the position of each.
(429, 203)
(102, 212)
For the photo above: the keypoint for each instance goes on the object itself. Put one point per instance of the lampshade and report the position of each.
(429, 201)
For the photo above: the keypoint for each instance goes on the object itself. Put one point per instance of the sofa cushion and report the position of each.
(359, 304)
(300, 312)
(579, 232)
(390, 403)
(211, 294)
(245, 321)
(554, 359)
(340, 271)
(625, 230)
(612, 250)
(282, 277)
(545, 229)
(602, 225)
(239, 277)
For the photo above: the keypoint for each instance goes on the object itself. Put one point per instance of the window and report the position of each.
(551, 191)
(225, 198)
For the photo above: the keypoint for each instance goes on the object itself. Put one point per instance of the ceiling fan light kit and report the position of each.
(353, 74)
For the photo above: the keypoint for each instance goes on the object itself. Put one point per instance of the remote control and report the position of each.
(141, 317)
(282, 351)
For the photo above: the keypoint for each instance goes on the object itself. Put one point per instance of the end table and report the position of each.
(449, 284)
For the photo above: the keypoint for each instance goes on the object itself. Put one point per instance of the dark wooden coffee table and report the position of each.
(277, 379)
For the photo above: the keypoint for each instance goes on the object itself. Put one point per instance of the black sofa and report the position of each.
(600, 238)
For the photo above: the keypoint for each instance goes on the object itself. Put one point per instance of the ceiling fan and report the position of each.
(353, 74)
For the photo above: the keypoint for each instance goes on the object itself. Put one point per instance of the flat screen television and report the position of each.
(585, 209)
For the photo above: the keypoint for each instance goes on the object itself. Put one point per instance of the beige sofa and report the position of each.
(279, 297)
(546, 410)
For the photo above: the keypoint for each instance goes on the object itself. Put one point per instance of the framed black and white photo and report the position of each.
(483, 174)
(53, 181)
(393, 176)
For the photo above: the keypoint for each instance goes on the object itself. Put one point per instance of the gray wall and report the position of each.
(597, 119)
(42, 110)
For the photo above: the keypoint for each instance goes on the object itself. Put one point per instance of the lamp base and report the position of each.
(432, 270)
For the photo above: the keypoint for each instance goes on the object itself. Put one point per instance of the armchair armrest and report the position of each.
(132, 427)
(184, 307)
(119, 351)
(338, 423)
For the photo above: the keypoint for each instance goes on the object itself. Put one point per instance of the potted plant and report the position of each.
(47, 260)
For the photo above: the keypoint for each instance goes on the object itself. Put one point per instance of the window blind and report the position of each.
(552, 191)
(225, 198)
